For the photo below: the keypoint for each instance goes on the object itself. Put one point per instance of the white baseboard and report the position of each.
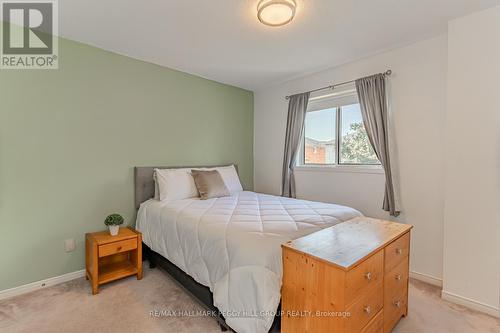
(469, 303)
(40, 284)
(427, 279)
(457, 299)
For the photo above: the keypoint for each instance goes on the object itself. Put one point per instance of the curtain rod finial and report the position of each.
(388, 72)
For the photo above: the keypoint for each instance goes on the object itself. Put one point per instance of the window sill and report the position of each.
(373, 169)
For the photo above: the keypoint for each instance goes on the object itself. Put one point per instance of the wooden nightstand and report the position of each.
(108, 258)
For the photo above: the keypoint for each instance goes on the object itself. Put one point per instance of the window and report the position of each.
(319, 142)
(335, 135)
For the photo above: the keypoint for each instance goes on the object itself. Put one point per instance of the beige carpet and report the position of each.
(126, 305)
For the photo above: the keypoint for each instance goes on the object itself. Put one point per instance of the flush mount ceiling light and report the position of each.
(276, 12)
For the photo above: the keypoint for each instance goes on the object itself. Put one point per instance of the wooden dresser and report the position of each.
(352, 277)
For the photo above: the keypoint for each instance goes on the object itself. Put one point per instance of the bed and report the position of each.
(227, 251)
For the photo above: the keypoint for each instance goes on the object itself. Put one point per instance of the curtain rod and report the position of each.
(386, 73)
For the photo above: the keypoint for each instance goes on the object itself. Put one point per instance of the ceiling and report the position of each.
(223, 40)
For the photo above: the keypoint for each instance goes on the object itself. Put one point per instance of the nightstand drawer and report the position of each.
(117, 247)
(396, 252)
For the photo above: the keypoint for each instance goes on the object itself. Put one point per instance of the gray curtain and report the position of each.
(373, 101)
(297, 107)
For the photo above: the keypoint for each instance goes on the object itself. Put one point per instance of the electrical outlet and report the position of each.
(69, 245)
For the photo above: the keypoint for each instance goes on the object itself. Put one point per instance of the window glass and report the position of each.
(355, 147)
(319, 137)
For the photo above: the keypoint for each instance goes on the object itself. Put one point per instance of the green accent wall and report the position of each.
(70, 138)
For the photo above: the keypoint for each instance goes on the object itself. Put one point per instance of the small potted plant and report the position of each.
(114, 221)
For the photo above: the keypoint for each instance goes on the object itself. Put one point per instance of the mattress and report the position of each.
(233, 246)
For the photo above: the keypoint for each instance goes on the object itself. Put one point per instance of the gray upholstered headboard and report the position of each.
(144, 185)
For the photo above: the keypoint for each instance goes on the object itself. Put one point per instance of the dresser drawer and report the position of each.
(364, 309)
(117, 247)
(396, 281)
(364, 276)
(396, 252)
(394, 308)
(376, 325)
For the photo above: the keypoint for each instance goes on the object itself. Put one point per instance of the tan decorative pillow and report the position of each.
(209, 184)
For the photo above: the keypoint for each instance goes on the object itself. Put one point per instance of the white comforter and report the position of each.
(232, 245)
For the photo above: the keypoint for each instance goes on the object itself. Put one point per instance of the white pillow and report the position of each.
(157, 190)
(175, 184)
(229, 176)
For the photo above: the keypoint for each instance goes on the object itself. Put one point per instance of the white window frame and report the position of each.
(340, 97)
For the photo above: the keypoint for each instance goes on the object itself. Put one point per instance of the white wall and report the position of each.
(472, 196)
(418, 97)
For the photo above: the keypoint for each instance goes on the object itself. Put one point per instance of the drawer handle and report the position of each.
(118, 248)
(399, 251)
(367, 309)
(398, 277)
(397, 304)
(368, 276)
